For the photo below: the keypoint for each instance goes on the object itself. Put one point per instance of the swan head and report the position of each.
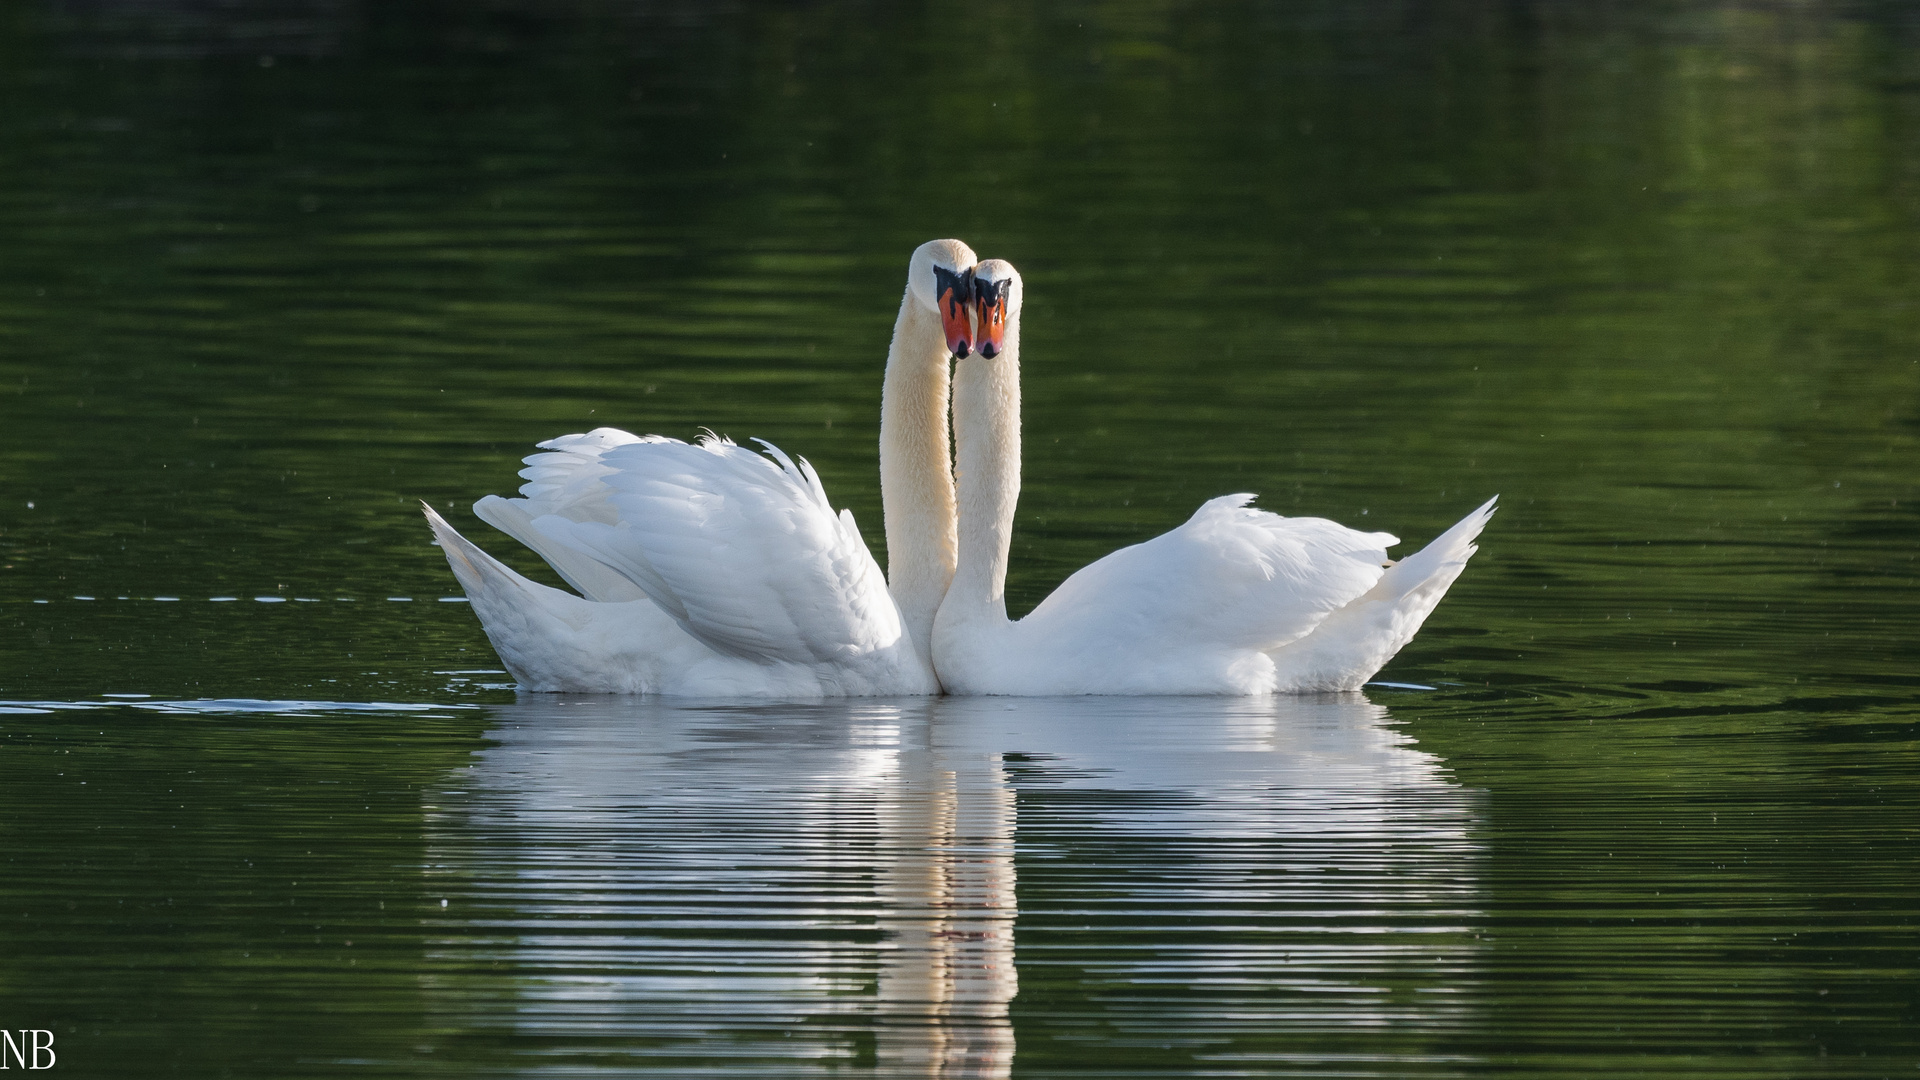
(940, 277)
(996, 298)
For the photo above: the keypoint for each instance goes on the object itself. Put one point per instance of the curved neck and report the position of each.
(916, 473)
(986, 428)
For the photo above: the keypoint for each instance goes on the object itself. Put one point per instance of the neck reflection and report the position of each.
(948, 901)
(835, 885)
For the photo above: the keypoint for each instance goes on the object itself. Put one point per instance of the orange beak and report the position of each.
(955, 292)
(991, 317)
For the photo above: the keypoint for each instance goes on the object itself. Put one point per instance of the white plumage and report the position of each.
(1235, 601)
(705, 568)
(741, 549)
(708, 569)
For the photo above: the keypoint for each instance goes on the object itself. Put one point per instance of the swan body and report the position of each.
(709, 569)
(1235, 601)
(649, 540)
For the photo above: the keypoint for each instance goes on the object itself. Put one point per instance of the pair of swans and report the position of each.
(709, 569)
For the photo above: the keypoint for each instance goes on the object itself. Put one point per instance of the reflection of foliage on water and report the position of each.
(282, 855)
(271, 271)
(1704, 850)
(1646, 272)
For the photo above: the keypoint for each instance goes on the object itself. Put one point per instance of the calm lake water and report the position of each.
(1642, 799)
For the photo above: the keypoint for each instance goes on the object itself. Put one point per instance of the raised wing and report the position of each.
(565, 482)
(1231, 577)
(743, 550)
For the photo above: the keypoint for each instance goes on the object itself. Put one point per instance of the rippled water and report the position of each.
(1641, 798)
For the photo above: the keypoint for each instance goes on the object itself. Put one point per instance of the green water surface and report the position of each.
(1645, 800)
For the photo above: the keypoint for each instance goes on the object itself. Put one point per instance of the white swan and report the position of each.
(1235, 601)
(708, 569)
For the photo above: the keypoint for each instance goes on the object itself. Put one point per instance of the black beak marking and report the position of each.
(959, 286)
(987, 294)
(954, 291)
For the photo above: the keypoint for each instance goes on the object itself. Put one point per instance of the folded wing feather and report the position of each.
(1230, 577)
(743, 550)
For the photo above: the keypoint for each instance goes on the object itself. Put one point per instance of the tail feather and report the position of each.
(1357, 640)
(480, 574)
(550, 639)
(517, 613)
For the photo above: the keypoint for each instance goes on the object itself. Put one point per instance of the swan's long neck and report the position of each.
(916, 473)
(986, 427)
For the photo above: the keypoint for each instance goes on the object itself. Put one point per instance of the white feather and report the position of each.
(1234, 601)
(709, 569)
(705, 567)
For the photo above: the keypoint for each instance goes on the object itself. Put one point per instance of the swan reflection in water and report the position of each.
(685, 885)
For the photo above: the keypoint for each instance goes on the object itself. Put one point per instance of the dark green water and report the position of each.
(269, 273)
